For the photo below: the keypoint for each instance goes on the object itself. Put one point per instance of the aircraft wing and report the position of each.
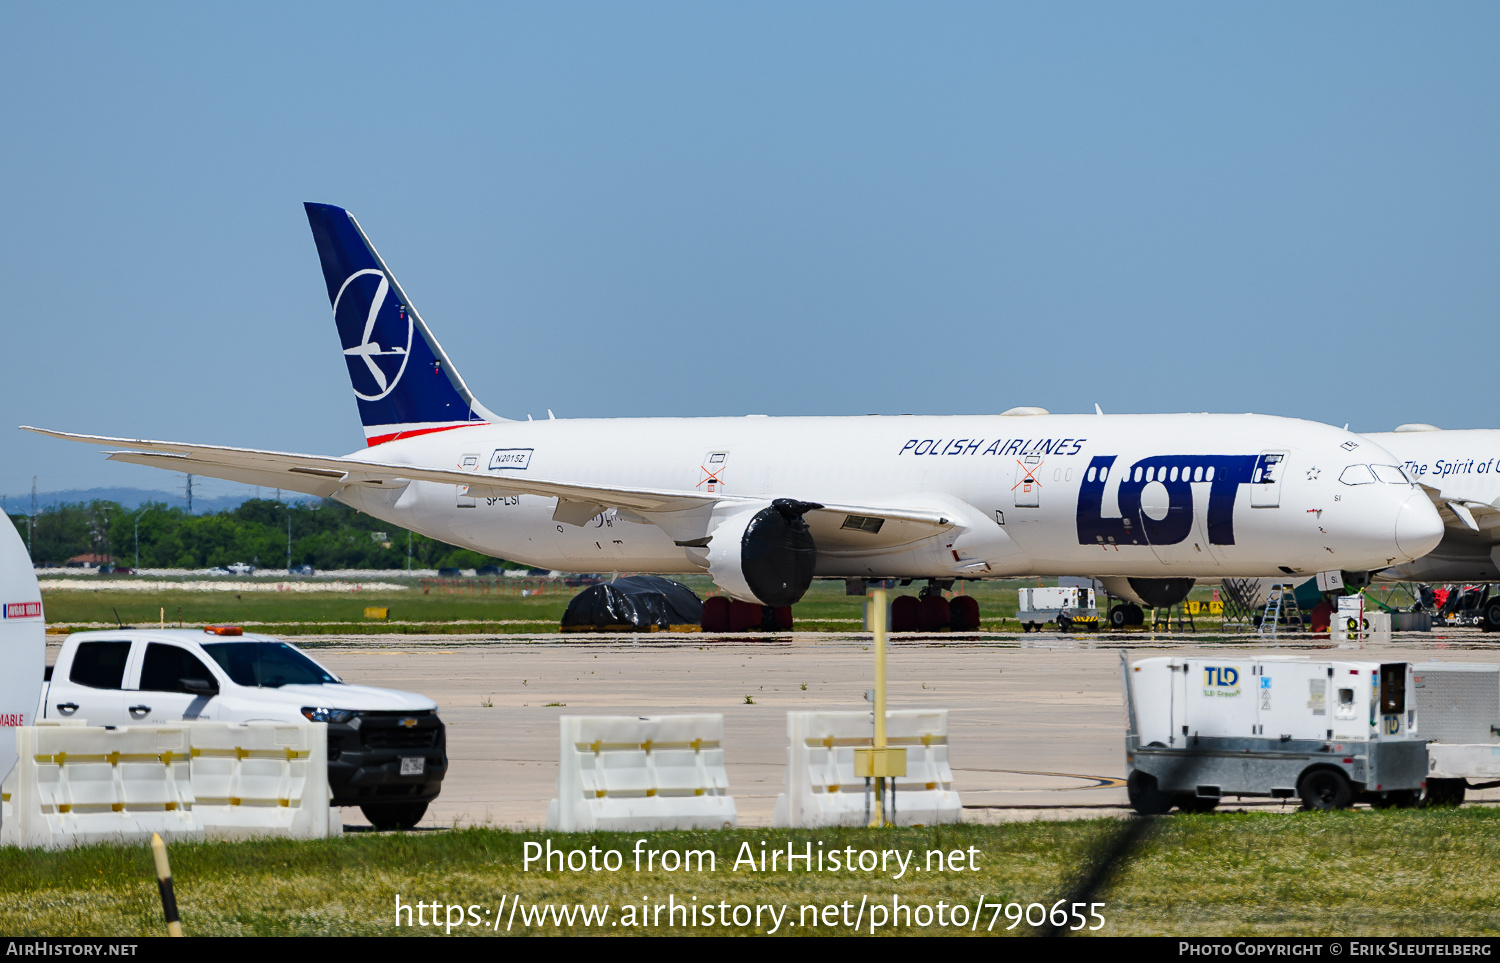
(1460, 513)
(324, 475)
(836, 527)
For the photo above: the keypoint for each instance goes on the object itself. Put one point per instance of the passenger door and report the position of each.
(711, 478)
(94, 689)
(1265, 480)
(160, 690)
(1028, 488)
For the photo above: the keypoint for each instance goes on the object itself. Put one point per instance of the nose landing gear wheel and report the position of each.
(1118, 617)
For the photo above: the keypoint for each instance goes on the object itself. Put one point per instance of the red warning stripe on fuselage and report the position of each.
(374, 440)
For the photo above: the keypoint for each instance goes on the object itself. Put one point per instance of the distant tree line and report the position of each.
(325, 535)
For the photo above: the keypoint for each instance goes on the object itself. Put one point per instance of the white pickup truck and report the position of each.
(387, 750)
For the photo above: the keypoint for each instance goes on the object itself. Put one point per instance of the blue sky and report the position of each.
(651, 209)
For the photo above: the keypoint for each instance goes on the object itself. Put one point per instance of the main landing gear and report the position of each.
(1126, 614)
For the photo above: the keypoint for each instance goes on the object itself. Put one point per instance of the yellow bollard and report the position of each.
(879, 761)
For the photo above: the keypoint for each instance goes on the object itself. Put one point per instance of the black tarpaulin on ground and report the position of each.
(640, 601)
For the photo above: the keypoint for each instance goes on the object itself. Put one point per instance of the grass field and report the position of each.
(460, 606)
(1361, 873)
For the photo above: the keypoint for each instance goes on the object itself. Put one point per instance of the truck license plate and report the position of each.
(413, 765)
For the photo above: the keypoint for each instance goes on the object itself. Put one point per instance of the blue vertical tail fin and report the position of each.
(403, 381)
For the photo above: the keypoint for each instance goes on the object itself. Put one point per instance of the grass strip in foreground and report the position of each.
(1222, 874)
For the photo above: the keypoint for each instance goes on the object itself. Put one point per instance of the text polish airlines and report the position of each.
(764, 505)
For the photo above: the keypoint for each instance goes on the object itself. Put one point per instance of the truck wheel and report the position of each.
(388, 816)
(1144, 797)
(1325, 789)
(1491, 620)
(1445, 792)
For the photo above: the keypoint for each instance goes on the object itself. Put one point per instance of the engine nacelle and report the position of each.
(764, 555)
(1150, 592)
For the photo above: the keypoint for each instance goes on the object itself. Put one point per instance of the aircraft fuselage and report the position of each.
(1153, 496)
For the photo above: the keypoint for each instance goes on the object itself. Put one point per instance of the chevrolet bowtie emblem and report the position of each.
(408, 722)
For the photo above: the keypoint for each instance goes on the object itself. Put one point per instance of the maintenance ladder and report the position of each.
(1281, 604)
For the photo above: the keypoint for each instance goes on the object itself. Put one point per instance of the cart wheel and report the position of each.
(1445, 792)
(1325, 789)
(1144, 797)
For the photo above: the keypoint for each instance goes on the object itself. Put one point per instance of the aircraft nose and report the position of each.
(1419, 527)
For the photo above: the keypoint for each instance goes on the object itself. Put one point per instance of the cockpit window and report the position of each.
(1370, 474)
(1391, 475)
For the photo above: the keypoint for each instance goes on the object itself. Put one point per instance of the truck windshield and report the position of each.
(266, 664)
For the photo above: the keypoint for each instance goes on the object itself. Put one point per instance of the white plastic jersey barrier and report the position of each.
(76, 785)
(631, 773)
(262, 778)
(822, 790)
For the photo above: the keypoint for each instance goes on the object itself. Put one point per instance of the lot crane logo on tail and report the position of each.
(382, 368)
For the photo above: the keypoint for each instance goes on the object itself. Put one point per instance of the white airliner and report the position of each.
(1460, 470)
(764, 505)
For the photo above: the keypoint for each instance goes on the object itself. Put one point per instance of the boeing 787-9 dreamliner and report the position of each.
(765, 505)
